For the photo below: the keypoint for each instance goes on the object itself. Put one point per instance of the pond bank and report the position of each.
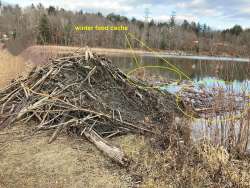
(50, 49)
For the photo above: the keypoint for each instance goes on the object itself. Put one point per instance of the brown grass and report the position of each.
(232, 129)
(11, 67)
(195, 165)
(28, 161)
(66, 49)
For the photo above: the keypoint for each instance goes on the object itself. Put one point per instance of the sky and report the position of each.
(219, 14)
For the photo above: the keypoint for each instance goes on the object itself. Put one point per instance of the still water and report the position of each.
(210, 73)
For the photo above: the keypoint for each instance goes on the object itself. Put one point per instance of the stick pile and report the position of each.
(209, 103)
(87, 95)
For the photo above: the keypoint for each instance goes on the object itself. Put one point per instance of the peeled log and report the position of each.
(111, 151)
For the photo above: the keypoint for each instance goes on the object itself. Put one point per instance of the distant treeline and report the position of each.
(37, 24)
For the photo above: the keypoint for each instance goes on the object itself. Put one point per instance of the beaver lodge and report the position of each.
(85, 94)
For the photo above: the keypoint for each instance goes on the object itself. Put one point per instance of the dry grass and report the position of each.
(75, 163)
(52, 49)
(28, 161)
(11, 67)
(195, 165)
(229, 129)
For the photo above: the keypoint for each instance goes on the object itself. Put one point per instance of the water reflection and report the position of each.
(196, 69)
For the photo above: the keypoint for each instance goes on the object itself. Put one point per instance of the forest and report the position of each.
(40, 25)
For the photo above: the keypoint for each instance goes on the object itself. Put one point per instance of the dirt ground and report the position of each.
(29, 161)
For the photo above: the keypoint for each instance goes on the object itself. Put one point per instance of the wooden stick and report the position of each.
(42, 79)
(55, 134)
(89, 75)
(111, 151)
(31, 107)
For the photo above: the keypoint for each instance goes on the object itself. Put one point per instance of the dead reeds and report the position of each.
(223, 113)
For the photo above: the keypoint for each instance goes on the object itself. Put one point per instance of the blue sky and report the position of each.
(219, 14)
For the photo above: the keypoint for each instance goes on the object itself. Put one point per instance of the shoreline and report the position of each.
(52, 49)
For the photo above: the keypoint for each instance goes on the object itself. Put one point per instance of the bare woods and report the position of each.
(20, 27)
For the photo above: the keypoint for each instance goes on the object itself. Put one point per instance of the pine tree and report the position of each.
(172, 21)
(198, 28)
(236, 30)
(44, 35)
(185, 25)
(52, 11)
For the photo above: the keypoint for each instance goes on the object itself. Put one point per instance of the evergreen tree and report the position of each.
(40, 6)
(133, 20)
(44, 35)
(185, 25)
(193, 26)
(99, 14)
(236, 30)
(204, 29)
(198, 28)
(172, 21)
(52, 11)
(151, 23)
(32, 6)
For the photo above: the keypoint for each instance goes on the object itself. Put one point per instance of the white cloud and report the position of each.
(245, 10)
(106, 5)
(192, 4)
(179, 18)
(210, 11)
(100, 4)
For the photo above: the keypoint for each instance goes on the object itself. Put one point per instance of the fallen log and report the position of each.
(112, 152)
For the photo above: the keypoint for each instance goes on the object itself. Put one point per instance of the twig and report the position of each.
(89, 75)
(55, 134)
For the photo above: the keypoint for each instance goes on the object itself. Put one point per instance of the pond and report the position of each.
(208, 72)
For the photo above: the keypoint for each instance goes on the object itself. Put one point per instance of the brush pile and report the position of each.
(87, 95)
(210, 103)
